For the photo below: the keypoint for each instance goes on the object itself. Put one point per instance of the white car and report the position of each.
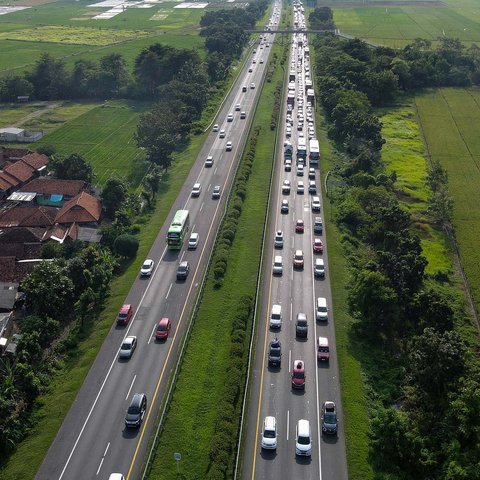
(209, 161)
(286, 187)
(237, 107)
(221, 134)
(300, 187)
(197, 188)
(269, 433)
(229, 147)
(215, 128)
(193, 241)
(230, 117)
(252, 86)
(147, 268)
(128, 347)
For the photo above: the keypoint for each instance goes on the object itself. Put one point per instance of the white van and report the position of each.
(277, 265)
(269, 433)
(303, 439)
(322, 309)
(316, 206)
(319, 268)
(276, 316)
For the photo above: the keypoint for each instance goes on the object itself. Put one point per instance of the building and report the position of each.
(19, 135)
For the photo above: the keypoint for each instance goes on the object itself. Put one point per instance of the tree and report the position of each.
(113, 195)
(73, 167)
(49, 290)
(47, 328)
(432, 309)
(12, 87)
(47, 149)
(114, 76)
(321, 19)
(84, 79)
(126, 245)
(49, 78)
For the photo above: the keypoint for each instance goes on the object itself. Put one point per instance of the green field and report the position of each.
(66, 29)
(397, 25)
(449, 119)
(104, 135)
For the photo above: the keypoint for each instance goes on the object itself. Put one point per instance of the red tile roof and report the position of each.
(20, 170)
(28, 216)
(53, 186)
(35, 160)
(84, 208)
(21, 235)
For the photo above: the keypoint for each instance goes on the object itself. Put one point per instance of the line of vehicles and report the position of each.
(299, 129)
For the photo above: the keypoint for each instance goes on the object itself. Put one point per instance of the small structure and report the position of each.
(19, 135)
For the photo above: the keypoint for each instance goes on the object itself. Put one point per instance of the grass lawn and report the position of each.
(104, 135)
(449, 119)
(197, 392)
(398, 25)
(404, 153)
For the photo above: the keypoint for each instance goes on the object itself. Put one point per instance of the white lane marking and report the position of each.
(215, 171)
(168, 293)
(193, 228)
(288, 423)
(106, 450)
(209, 185)
(131, 385)
(151, 335)
(183, 254)
(291, 311)
(201, 207)
(289, 360)
(100, 466)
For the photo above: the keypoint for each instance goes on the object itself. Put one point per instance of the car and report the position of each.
(300, 187)
(163, 327)
(261, 60)
(288, 165)
(116, 476)
(312, 187)
(267, 45)
(317, 245)
(277, 265)
(229, 146)
(250, 70)
(193, 241)
(269, 434)
(182, 270)
(298, 259)
(286, 187)
(284, 207)
(209, 161)
(243, 115)
(216, 192)
(303, 439)
(311, 173)
(237, 107)
(299, 226)
(299, 129)
(254, 60)
(301, 325)
(215, 128)
(276, 316)
(125, 314)
(329, 418)
(298, 374)
(311, 133)
(319, 268)
(278, 240)
(323, 350)
(288, 132)
(275, 353)
(252, 86)
(230, 117)
(147, 268)
(197, 188)
(316, 206)
(318, 225)
(128, 347)
(222, 134)
(244, 88)
(300, 170)
(136, 410)
(254, 51)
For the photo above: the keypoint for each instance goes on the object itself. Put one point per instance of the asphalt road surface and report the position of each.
(93, 442)
(296, 291)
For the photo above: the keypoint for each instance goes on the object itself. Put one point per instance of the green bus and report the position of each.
(178, 229)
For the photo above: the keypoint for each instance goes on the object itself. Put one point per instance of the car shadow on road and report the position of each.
(268, 454)
(130, 432)
(298, 391)
(331, 439)
(303, 460)
(323, 365)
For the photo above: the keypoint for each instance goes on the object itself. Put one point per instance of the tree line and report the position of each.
(424, 409)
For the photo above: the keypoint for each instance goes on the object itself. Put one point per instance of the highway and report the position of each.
(93, 442)
(296, 291)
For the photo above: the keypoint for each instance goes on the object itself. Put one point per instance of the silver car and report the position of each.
(128, 347)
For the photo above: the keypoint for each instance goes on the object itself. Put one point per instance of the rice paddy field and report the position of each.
(397, 23)
(69, 30)
(449, 119)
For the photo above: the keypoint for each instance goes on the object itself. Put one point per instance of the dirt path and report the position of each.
(46, 106)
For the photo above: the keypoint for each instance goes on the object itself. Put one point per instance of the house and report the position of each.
(52, 191)
(19, 135)
(83, 208)
(28, 216)
(21, 242)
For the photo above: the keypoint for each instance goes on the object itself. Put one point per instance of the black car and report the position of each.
(329, 418)
(275, 353)
(301, 326)
(136, 411)
(182, 270)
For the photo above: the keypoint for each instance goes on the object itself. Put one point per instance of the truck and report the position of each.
(308, 85)
(314, 155)
(301, 151)
(287, 151)
(291, 98)
(291, 76)
(311, 96)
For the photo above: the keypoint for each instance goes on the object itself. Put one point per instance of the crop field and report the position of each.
(449, 118)
(396, 25)
(66, 29)
(404, 152)
(104, 135)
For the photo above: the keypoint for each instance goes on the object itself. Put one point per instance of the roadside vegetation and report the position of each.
(209, 405)
(57, 350)
(406, 326)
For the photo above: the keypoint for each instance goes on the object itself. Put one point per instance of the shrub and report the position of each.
(126, 245)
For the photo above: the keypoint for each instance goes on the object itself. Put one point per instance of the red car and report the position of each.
(163, 327)
(125, 314)
(299, 227)
(317, 245)
(298, 374)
